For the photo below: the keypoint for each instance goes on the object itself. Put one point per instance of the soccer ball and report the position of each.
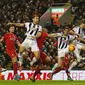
(71, 47)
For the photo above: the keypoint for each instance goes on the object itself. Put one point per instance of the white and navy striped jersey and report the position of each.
(78, 30)
(63, 42)
(32, 29)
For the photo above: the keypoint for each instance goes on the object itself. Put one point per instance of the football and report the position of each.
(71, 47)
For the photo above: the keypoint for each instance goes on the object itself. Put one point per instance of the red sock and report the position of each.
(36, 72)
(15, 68)
(66, 67)
(68, 73)
(57, 70)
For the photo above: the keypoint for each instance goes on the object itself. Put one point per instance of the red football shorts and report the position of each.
(42, 56)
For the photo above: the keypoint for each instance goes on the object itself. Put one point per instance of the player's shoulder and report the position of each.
(40, 26)
(6, 33)
(44, 33)
(28, 22)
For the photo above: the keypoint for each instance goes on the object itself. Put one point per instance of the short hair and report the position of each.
(35, 16)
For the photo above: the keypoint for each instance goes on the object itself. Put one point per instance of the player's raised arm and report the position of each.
(17, 24)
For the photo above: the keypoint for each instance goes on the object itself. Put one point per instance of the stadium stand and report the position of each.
(21, 11)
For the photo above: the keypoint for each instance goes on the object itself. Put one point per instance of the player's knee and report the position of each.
(48, 60)
(22, 48)
(36, 54)
(60, 64)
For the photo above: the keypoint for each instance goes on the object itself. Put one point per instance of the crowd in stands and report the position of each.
(21, 11)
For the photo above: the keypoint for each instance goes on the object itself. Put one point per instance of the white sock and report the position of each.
(72, 65)
(54, 67)
(20, 58)
(34, 60)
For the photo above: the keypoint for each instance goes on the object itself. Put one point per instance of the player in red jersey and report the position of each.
(44, 58)
(10, 40)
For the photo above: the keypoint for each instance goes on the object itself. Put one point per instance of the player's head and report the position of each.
(66, 30)
(11, 28)
(36, 19)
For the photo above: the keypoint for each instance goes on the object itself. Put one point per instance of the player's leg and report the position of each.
(55, 66)
(15, 66)
(35, 50)
(45, 59)
(68, 73)
(66, 65)
(21, 49)
(58, 68)
(37, 71)
(77, 51)
(24, 45)
(74, 63)
(14, 61)
(13, 55)
(61, 55)
(36, 58)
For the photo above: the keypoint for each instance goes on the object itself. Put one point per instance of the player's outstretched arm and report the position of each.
(52, 35)
(80, 39)
(56, 35)
(17, 24)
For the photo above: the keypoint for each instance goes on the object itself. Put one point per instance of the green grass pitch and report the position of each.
(41, 82)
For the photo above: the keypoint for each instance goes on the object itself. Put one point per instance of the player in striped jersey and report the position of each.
(33, 32)
(78, 30)
(63, 49)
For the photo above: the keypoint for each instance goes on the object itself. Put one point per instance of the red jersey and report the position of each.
(10, 40)
(55, 44)
(41, 39)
